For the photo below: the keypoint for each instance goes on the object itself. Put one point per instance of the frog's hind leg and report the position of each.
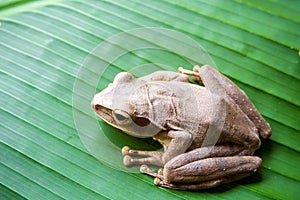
(208, 172)
(204, 168)
(219, 84)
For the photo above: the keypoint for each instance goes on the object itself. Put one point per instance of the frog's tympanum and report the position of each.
(209, 132)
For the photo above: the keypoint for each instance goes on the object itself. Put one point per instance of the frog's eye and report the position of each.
(121, 117)
(123, 77)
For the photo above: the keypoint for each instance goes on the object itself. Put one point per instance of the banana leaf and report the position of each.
(45, 47)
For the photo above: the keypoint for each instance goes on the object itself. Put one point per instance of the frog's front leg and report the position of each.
(180, 141)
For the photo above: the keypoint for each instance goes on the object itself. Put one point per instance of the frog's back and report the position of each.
(189, 107)
(210, 118)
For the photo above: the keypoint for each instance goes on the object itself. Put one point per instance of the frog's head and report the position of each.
(116, 106)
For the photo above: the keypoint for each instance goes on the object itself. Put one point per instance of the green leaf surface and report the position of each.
(43, 45)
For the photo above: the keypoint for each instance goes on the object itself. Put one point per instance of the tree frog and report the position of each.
(181, 116)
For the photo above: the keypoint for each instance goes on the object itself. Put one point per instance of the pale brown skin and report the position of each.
(181, 116)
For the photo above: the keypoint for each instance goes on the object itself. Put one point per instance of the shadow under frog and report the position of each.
(167, 107)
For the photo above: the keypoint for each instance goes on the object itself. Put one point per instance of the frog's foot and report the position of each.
(136, 157)
(195, 74)
(196, 186)
(146, 170)
(159, 180)
(127, 151)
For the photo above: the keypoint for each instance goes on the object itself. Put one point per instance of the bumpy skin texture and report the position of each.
(182, 119)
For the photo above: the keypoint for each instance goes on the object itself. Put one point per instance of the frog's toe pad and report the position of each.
(144, 169)
(160, 171)
(127, 161)
(162, 183)
(158, 181)
(125, 150)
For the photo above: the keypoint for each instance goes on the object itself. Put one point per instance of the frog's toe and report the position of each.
(158, 181)
(162, 183)
(144, 169)
(160, 171)
(127, 160)
(196, 68)
(125, 150)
